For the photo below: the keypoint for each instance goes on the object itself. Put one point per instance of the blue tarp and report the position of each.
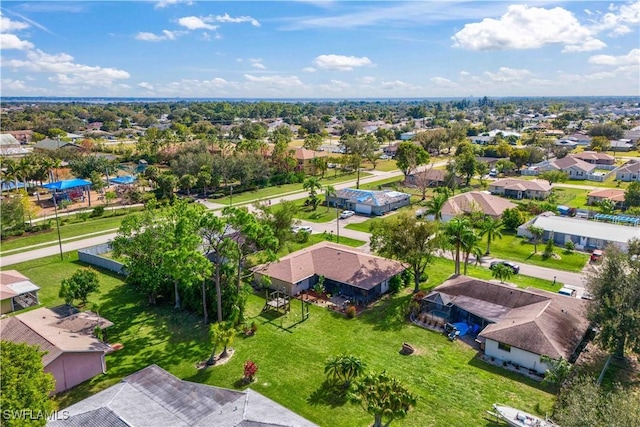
(127, 179)
(10, 185)
(67, 184)
(462, 327)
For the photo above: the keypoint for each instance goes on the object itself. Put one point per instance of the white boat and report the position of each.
(516, 418)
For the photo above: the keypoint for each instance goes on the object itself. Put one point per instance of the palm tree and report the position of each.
(501, 272)
(536, 234)
(470, 244)
(344, 368)
(493, 229)
(434, 206)
(10, 171)
(312, 184)
(330, 191)
(457, 233)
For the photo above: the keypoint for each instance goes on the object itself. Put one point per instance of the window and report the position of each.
(504, 347)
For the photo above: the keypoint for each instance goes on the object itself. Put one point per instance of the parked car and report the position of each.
(569, 292)
(346, 214)
(385, 157)
(596, 255)
(513, 266)
(305, 228)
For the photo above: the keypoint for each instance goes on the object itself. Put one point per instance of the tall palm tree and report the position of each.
(344, 368)
(330, 191)
(457, 232)
(434, 206)
(10, 170)
(312, 184)
(492, 228)
(470, 245)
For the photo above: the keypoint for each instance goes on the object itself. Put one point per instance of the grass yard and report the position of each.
(383, 165)
(514, 248)
(290, 247)
(454, 388)
(572, 197)
(321, 214)
(365, 226)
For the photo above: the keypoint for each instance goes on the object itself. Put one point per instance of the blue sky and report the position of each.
(319, 49)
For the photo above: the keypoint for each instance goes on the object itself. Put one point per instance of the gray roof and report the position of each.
(152, 397)
(371, 197)
(52, 144)
(589, 229)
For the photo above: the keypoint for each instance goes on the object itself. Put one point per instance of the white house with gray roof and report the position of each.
(369, 202)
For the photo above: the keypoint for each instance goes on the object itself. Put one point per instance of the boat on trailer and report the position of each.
(517, 418)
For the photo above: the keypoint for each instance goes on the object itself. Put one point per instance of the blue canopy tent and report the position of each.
(126, 179)
(11, 185)
(68, 184)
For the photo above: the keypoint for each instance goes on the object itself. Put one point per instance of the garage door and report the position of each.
(363, 209)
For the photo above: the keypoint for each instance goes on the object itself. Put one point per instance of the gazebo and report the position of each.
(70, 189)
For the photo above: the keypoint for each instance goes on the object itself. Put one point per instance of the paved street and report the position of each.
(568, 278)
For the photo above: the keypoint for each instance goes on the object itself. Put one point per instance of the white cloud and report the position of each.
(442, 82)
(11, 41)
(17, 85)
(309, 70)
(523, 27)
(275, 81)
(588, 46)
(396, 85)
(66, 72)
(197, 23)
(237, 20)
(366, 80)
(146, 85)
(258, 65)
(166, 35)
(464, 73)
(341, 62)
(616, 20)
(164, 3)
(632, 58)
(507, 75)
(9, 26)
(335, 86)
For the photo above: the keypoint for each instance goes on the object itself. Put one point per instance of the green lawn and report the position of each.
(69, 228)
(454, 388)
(383, 165)
(365, 226)
(572, 197)
(515, 248)
(321, 214)
(269, 192)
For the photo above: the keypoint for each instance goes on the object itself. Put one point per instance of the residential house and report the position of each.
(152, 397)
(369, 202)
(390, 150)
(22, 136)
(566, 143)
(10, 146)
(55, 144)
(585, 234)
(347, 271)
(475, 201)
(306, 160)
(94, 126)
(595, 158)
(513, 325)
(73, 353)
(622, 145)
(616, 195)
(582, 139)
(435, 177)
(575, 168)
(521, 188)
(629, 172)
(633, 135)
(16, 292)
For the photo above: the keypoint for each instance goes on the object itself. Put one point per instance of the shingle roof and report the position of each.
(476, 200)
(152, 397)
(567, 162)
(101, 417)
(631, 167)
(615, 194)
(304, 154)
(335, 262)
(592, 155)
(521, 184)
(52, 144)
(530, 319)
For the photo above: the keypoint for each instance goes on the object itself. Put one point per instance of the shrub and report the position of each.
(97, 211)
(302, 237)
(548, 249)
(570, 246)
(250, 369)
(351, 311)
(395, 284)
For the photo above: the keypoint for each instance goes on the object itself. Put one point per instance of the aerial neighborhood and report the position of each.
(320, 263)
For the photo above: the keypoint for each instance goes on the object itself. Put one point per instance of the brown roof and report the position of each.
(567, 162)
(631, 167)
(335, 262)
(476, 200)
(9, 278)
(537, 321)
(54, 332)
(615, 194)
(304, 154)
(521, 184)
(593, 155)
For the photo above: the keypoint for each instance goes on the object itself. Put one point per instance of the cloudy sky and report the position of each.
(319, 49)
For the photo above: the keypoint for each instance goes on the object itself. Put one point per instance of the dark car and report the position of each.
(514, 267)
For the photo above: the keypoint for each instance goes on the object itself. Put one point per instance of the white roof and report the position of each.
(590, 229)
(23, 287)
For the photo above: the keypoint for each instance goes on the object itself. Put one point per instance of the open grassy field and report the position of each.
(572, 197)
(454, 388)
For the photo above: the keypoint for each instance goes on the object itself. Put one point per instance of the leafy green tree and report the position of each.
(466, 162)
(82, 283)
(513, 218)
(409, 156)
(600, 143)
(187, 182)
(312, 141)
(167, 183)
(558, 370)
(344, 368)
(607, 206)
(554, 176)
(357, 148)
(632, 195)
(216, 244)
(280, 218)
(312, 184)
(607, 130)
(492, 228)
(615, 287)
(536, 235)
(408, 240)
(501, 272)
(384, 397)
(548, 248)
(482, 169)
(320, 164)
(456, 232)
(221, 334)
(25, 386)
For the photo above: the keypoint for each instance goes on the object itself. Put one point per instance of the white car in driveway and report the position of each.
(305, 228)
(346, 214)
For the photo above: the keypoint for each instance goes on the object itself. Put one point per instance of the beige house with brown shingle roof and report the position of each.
(521, 188)
(306, 159)
(347, 271)
(475, 201)
(73, 353)
(616, 195)
(516, 325)
(595, 157)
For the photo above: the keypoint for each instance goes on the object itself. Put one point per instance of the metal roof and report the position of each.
(589, 229)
